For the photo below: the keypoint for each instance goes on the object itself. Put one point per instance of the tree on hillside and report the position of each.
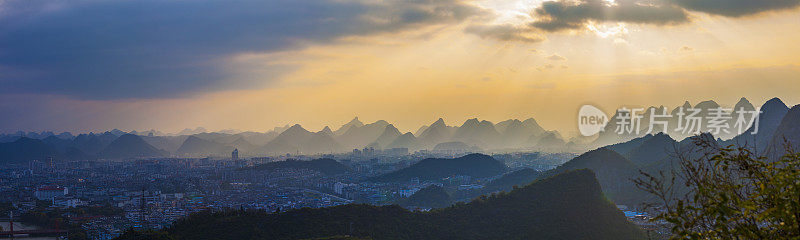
(728, 193)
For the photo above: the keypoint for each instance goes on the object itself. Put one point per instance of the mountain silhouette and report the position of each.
(786, 135)
(321, 142)
(477, 133)
(261, 139)
(198, 147)
(531, 124)
(549, 141)
(613, 172)
(420, 130)
(244, 146)
(57, 143)
(390, 133)
(406, 140)
(705, 112)
(168, 143)
(25, 149)
(437, 133)
(327, 130)
(771, 116)
(361, 136)
(773, 111)
(613, 132)
(518, 178)
(644, 126)
(346, 127)
(653, 149)
(188, 131)
(130, 146)
(505, 136)
(624, 148)
(742, 105)
(289, 141)
(474, 165)
(674, 120)
(90, 143)
(515, 133)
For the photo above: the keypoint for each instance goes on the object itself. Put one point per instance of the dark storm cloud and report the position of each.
(559, 15)
(736, 8)
(562, 14)
(147, 49)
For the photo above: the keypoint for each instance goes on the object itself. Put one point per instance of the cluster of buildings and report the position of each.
(372, 152)
(153, 193)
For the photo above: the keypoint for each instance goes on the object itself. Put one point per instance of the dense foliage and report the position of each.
(568, 206)
(729, 193)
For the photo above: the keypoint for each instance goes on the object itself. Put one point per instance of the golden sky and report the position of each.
(454, 70)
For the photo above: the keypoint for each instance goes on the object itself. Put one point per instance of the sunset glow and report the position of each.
(493, 64)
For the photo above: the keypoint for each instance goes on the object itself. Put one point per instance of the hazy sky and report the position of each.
(253, 65)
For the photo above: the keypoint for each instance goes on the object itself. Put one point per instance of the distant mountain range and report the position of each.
(473, 135)
(786, 135)
(25, 149)
(194, 146)
(610, 135)
(130, 146)
(566, 206)
(616, 165)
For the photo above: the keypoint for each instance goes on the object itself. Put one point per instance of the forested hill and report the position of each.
(432, 196)
(567, 206)
(474, 165)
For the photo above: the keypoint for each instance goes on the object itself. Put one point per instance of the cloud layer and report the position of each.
(568, 14)
(554, 16)
(153, 49)
(736, 8)
(89, 49)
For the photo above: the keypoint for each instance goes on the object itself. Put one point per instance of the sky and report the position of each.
(96, 65)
